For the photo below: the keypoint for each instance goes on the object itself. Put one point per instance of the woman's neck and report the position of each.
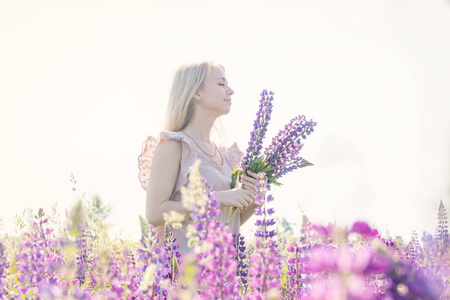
(200, 128)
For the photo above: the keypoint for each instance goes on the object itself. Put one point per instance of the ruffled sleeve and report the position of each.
(235, 156)
(188, 157)
(145, 160)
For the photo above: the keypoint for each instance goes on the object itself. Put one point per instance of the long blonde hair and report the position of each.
(187, 79)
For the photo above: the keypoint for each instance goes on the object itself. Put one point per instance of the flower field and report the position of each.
(76, 259)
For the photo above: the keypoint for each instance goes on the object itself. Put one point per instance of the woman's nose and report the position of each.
(230, 91)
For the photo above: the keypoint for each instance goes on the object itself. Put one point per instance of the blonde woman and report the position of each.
(199, 96)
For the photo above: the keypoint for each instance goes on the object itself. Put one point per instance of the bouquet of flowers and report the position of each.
(282, 155)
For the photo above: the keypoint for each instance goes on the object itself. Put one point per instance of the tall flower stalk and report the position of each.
(265, 271)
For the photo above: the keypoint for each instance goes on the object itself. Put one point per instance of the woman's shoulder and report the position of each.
(167, 145)
(174, 135)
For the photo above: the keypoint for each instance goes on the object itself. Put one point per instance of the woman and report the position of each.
(199, 96)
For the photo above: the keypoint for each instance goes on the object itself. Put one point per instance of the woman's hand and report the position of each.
(237, 197)
(250, 182)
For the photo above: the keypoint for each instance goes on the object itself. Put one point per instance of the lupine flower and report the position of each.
(282, 155)
(217, 265)
(202, 203)
(406, 281)
(265, 270)
(241, 257)
(153, 262)
(125, 282)
(40, 264)
(4, 266)
(212, 242)
(363, 229)
(260, 125)
(442, 228)
(296, 264)
(172, 255)
(38, 259)
(342, 271)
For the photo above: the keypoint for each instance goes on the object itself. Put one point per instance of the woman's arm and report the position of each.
(247, 213)
(163, 176)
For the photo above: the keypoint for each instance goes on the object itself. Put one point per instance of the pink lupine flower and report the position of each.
(364, 230)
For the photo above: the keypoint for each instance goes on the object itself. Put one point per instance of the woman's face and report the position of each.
(215, 94)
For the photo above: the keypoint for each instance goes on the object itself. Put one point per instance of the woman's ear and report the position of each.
(197, 96)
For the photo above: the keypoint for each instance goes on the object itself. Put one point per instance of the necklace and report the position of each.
(215, 146)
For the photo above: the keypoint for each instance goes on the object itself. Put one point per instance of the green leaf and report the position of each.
(232, 212)
(234, 177)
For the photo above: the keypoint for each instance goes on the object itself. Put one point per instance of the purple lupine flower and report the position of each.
(211, 241)
(172, 255)
(265, 270)
(39, 258)
(295, 280)
(102, 272)
(442, 229)
(201, 201)
(343, 271)
(282, 154)
(217, 265)
(4, 267)
(258, 133)
(407, 281)
(326, 233)
(416, 245)
(241, 257)
(153, 261)
(125, 280)
(84, 259)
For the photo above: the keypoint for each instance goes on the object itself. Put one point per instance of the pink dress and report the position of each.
(219, 177)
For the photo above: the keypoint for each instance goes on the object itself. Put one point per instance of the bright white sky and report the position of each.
(82, 84)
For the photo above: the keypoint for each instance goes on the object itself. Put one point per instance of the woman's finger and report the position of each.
(248, 193)
(247, 200)
(254, 175)
(249, 187)
(244, 203)
(249, 179)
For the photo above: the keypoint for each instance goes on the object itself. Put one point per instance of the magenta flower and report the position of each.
(363, 229)
(323, 231)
